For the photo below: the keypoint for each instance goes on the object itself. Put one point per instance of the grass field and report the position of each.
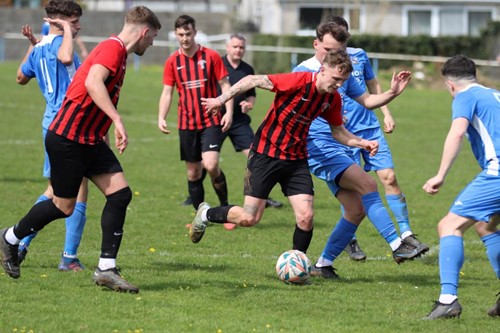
(227, 282)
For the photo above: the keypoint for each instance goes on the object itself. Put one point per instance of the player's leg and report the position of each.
(383, 166)
(478, 201)
(74, 231)
(451, 258)
(342, 233)
(107, 174)
(190, 152)
(355, 179)
(490, 236)
(353, 249)
(48, 194)
(67, 168)
(211, 141)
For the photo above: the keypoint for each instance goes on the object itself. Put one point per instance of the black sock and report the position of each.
(196, 192)
(302, 239)
(218, 214)
(37, 218)
(112, 221)
(220, 187)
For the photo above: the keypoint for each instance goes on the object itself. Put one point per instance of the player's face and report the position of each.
(185, 37)
(235, 49)
(328, 43)
(330, 79)
(148, 35)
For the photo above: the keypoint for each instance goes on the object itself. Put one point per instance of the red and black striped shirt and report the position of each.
(195, 77)
(79, 118)
(297, 103)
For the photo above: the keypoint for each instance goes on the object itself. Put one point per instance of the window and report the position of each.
(478, 21)
(419, 22)
(451, 22)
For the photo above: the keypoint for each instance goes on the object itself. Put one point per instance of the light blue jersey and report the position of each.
(53, 77)
(481, 107)
(358, 117)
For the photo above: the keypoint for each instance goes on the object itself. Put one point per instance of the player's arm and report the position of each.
(95, 85)
(227, 119)
(248, 82)
(164, 107)
(452, 146)
(398, 84)
(28, 33)
(374, 87)
(342, 135)
(65, 54)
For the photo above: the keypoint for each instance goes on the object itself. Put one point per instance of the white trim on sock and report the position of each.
(447, 298)
(322, 262)
(11, 238)
(407, 233)
(106, 263)
(395, 244)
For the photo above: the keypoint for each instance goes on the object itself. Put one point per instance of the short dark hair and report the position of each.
(143, 15)
(339, 58)
(68, 8)
(337, 32)
(339, 20)
(459, 67)
(183, 21)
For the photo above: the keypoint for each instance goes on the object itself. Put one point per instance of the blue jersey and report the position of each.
(481, 107)
(53, 77)
(358, 117)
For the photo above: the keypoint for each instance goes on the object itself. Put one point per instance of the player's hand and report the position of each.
(162, 125)
(371, 146)
(28, 33)
(246, 106)
(226, 122)
(400, 81)
(121, 137)
(389, 124)
(59, 23)
(432, 185)
(212, 105)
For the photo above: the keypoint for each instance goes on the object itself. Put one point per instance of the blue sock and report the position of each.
(397, 204)
(26, 241)
(492, 243)
(379, 216)
(339, 238)
(74, 229)
(342, 210)
(451, 260)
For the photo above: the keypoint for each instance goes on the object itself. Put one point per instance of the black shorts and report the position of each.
(263, 172)
(241, 135)
(70, 161)
(195, 142)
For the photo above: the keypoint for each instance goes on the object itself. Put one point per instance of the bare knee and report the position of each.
(248, 220)
(305, 220)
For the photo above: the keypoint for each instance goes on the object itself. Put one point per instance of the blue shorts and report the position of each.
(480, 199)
(382, 159)
(328, 162)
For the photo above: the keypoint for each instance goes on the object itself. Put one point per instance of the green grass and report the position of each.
(227, 283)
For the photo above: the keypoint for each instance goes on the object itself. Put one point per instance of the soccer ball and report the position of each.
(293, 266)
